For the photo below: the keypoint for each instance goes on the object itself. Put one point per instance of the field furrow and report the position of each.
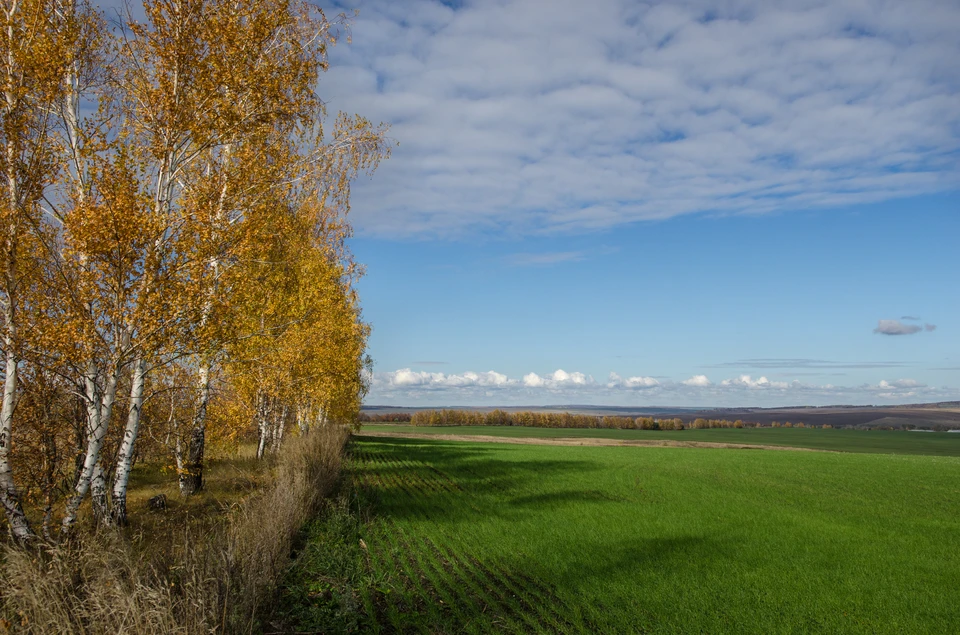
(485, 538)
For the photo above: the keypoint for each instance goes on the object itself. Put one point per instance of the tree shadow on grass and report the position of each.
(405, 477)
(456, 586)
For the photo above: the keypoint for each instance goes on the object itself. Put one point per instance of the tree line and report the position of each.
(538, 420)
(173, 261)
(453, 417)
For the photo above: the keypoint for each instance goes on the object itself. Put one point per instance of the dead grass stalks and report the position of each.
(224, 581)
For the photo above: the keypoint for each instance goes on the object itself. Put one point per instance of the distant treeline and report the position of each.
(538, 420)
(568, 420)
(390, 417)
(558, 420)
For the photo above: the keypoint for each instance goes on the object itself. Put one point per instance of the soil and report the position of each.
(661, 443)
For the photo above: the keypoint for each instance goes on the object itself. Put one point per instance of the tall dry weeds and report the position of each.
(221, 582)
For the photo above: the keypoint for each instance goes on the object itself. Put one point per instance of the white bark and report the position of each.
(125, 455)
(98, 495)
(99, 409)
(9, 497)
(95, 436)
(263, 425)
(279, 426)
(321, 416)
(191, 477)
(303, 422)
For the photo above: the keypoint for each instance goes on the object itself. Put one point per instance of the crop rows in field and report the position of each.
(429, 578)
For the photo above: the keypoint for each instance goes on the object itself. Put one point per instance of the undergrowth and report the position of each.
(329, 588)
(223, 580)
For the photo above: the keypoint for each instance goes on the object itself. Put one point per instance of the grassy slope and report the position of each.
(882, 441)
(483, 537)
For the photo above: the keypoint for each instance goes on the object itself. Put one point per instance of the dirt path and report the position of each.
(661, 443)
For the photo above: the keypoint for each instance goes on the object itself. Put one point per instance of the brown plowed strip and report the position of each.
(657, 443)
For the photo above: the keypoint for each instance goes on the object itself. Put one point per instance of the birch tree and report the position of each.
(156, 180)
(31, 54)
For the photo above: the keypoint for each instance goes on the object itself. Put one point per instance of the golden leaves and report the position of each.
(199, 213)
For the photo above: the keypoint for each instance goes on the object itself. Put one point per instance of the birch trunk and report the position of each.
(95, 436)
(125, 456)
(98, 496)
(191, 477)
(263, 425)
(9, 496)
(99, 410)
(303, 423)
(278, 429)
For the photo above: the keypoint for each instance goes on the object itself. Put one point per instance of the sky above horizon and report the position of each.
(681, 204)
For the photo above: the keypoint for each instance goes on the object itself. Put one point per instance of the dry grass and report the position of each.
(200, 578)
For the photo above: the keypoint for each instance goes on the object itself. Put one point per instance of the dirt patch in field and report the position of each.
(595, 442)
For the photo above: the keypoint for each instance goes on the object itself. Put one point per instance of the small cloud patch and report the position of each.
(896, 327)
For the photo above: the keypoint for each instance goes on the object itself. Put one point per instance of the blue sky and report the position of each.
(687, 203)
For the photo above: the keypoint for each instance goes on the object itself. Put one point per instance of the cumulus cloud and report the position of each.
(637, 382)
(899, 383)
(900, 388)
(896, 327)
(929, 327)
(747, 382)
(422, 379)
(562, 378)
(409, 387)
(697, 380)
(533, 380)
(661, 108)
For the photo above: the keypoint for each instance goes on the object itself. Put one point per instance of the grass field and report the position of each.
(482, 537)
(874, 441)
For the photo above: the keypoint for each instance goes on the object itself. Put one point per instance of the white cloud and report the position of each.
(900, 383)
(406, 386)
(533, 380)
(747, 382)
(639, 382)
(658, 109)
(422, 379)
(562, 378)
(697, 380)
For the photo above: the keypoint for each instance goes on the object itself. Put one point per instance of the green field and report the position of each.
(874, 441)
(483, 537)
